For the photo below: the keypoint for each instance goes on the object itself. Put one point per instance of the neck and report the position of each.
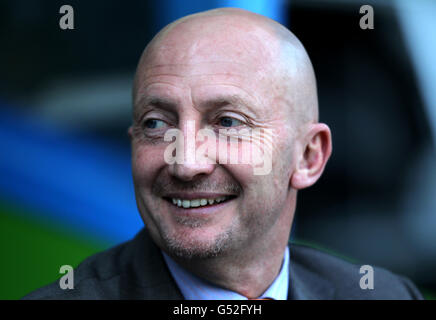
(249, 271)
(248, 276)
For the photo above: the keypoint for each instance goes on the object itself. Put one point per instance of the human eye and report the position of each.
(155, 124)
(229, 122)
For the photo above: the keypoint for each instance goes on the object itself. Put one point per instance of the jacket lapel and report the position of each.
(149, 278)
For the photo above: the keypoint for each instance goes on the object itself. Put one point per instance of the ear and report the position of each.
(316, 150)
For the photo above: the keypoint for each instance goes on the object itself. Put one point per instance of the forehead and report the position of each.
(208, 57)
(206, 84)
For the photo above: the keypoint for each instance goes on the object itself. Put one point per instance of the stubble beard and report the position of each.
(182, 245)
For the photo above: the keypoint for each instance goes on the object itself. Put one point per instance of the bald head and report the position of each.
(276, 56)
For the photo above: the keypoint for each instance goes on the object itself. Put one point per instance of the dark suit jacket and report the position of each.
(136, 270)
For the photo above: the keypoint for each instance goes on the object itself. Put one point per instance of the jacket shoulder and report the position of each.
(345, 277)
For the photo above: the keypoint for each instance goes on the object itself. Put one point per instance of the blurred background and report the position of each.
(65, 181)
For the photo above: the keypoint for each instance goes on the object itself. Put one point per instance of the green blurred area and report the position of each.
(428, 294)
(33, 251)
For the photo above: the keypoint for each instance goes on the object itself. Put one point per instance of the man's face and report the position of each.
(214, 82)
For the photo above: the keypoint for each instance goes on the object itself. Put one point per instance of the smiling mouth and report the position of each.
(200, 202)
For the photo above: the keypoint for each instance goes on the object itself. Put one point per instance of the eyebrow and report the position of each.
(156, 101)
(231, 100)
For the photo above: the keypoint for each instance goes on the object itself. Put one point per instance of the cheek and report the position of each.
(263, 199)
(258, 190)
(273, 187)
(146, 162)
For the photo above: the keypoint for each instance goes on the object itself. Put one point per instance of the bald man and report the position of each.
(214, 228)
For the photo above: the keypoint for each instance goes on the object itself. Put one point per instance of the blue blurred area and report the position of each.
(169, 11)
(416, 17)
(82, 182)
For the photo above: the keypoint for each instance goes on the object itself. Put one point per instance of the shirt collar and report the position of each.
(194, 288)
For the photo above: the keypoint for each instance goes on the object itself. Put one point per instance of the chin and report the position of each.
(196, 244)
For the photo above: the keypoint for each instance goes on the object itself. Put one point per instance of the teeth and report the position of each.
(194, 203)
(220, 199)
(186, 203)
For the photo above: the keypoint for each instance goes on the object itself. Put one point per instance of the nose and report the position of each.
(191, 166)
(188, 171)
